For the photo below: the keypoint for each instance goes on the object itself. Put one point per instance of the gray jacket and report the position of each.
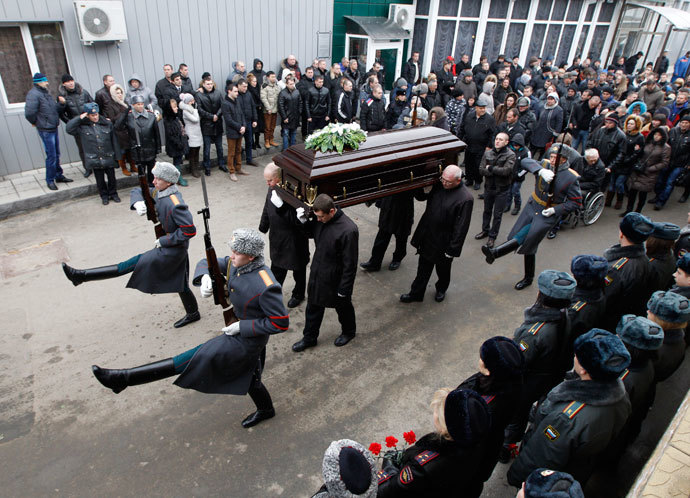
(143, 90)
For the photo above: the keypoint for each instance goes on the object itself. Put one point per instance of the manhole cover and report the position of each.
(32, 258)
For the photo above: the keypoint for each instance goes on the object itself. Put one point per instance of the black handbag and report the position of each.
(639, 167)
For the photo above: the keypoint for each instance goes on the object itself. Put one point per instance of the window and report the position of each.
(448, 8)
(492, 40)
(521, 9)
(574, 10)
(443, 45)
(464, 44)
(419, 37)
(498, 9)
(470, 8)
(27, 49)
(423, 7)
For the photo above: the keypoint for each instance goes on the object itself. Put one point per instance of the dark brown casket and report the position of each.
(387, 163)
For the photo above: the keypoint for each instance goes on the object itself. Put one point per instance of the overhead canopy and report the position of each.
(378, 28)
(679, 18)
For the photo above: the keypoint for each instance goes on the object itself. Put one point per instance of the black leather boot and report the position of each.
(492, 253)
(119, 380)
(530, 263)
(609, 198)
(80, 276)
(264, 405)
(190, 306)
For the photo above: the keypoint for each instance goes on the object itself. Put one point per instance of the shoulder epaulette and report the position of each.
(574, 172)
(536, 328)
(425, 457)
(573, 408)
(578, 305)
(624, 374)
(174, 199)
(620, 263)
(383, 476)
(266, 278)
(488, 399)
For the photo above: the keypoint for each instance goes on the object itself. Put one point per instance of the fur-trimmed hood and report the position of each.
(592, 392)
(113, 94)
(638, 124)
(637, 103)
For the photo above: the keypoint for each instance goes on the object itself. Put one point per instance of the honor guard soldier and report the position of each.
(671, 311)
(231, 363)
(662, 263)
(588, 303)
(545, 483)
(499, 383)
(541, 338)
(536, 219)
(579, 418)
(165, 268)
(349, 469)
(446, 459)
(626, 287)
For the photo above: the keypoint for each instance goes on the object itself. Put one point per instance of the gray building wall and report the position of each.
(207, 35)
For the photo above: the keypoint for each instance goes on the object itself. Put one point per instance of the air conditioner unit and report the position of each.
(100, 21)
(402, 15)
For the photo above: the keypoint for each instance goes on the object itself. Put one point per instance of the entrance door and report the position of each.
(357, 48)
(388, 58)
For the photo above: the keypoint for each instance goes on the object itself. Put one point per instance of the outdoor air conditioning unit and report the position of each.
(402, 15)
(100, 21)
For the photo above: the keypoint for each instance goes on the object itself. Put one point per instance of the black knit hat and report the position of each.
(602, 354)
(544, 483)
(467, 417)
(66, 78)
(502, 357)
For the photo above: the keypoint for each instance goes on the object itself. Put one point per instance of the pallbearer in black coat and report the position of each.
(441, 233)
(662, 263)
(499, 383)
(396, 217)
(231, 363)
(165, 268)
(671, 311)
(444, 462)
(333, 268)
(288, 244)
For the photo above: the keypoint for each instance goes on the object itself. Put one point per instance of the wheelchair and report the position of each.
(589, 213)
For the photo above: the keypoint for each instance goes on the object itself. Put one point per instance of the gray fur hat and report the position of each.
(640, 332)
(556, 284)
(138, 99)
(166, 172)
(349, 470)
(545, 483)
(669, 306)
(247, 241)
(482, 101)
(422, 88)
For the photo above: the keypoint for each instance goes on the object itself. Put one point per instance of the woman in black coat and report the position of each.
(208, 101)
(443, 462)
(254, 89)
(175, 140)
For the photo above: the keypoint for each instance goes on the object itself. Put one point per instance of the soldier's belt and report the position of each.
(540, 202)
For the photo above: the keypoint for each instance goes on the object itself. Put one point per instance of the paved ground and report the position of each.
(62, 433)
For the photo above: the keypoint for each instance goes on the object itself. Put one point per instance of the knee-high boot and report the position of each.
(530, 264)
(609, 198)
(190, 306)
(119, 380)
(263, 402)
(80, 276)
(492, 253)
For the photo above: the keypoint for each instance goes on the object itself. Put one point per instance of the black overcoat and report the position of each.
(99, 141)
(289, 246)
(397, 213)
(144, 136)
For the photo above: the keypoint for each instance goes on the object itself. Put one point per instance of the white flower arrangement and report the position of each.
(336, 136)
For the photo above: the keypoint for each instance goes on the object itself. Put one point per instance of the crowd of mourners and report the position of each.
(573, 386)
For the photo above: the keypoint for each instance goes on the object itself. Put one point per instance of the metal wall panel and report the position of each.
(207, 35)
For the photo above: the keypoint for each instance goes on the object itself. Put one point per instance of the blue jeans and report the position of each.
(51, 144)
(617, 183)
(289, 137)
(515, 194)
(664, 184)
(580, 138)
(218, 141)
(248, 141)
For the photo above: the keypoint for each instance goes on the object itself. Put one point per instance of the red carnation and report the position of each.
(391, 442)
(375, 448)
(410, 437)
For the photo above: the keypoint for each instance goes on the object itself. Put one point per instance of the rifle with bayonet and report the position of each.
(220, 296)
(145, 190)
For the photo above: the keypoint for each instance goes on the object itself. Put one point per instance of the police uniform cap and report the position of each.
(666, 231)
(636, 227)
(349, 469)
(467, 417)
(545, 483)
(556, 284)
(602, 354)
(589, 266)
(684, 262)
(138, 99)
(91, 108)
(669, 306)
(502, 357)
(640, 332)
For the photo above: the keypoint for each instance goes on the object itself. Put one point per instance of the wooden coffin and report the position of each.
(387, 163)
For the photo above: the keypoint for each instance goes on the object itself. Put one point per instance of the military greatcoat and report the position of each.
(227, 364)
(166, 268)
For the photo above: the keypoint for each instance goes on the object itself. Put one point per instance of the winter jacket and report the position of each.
(455, 110)
(235, 75)
(144, 136)
(373, 115)
(680, 147)
(591, 176)
(101, 148)
(343, 108)
(575, 424)
(496, 167)
(548, 126)
(175, 143)
(259, 73)
(187, 85)
(582, 116)
(445, 83)
(319, 103)
(476, 132)
(233, 115)
(611, 146)
(656, 156)
(469, 90)
(633, 147)
(248, 108)
(165, 91)
(395, 109)
(295, 69)
(75, 100)
(680, 68)
(527, 120)
(662, 266)
(290, 107)
(192, 125)
(269, 97)
(41, 109)
(143, 91)
(116, 112)
(653, 99)
(510, 129)
(409, 70)
(670, 355)
(208, 105)
(303, 86)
